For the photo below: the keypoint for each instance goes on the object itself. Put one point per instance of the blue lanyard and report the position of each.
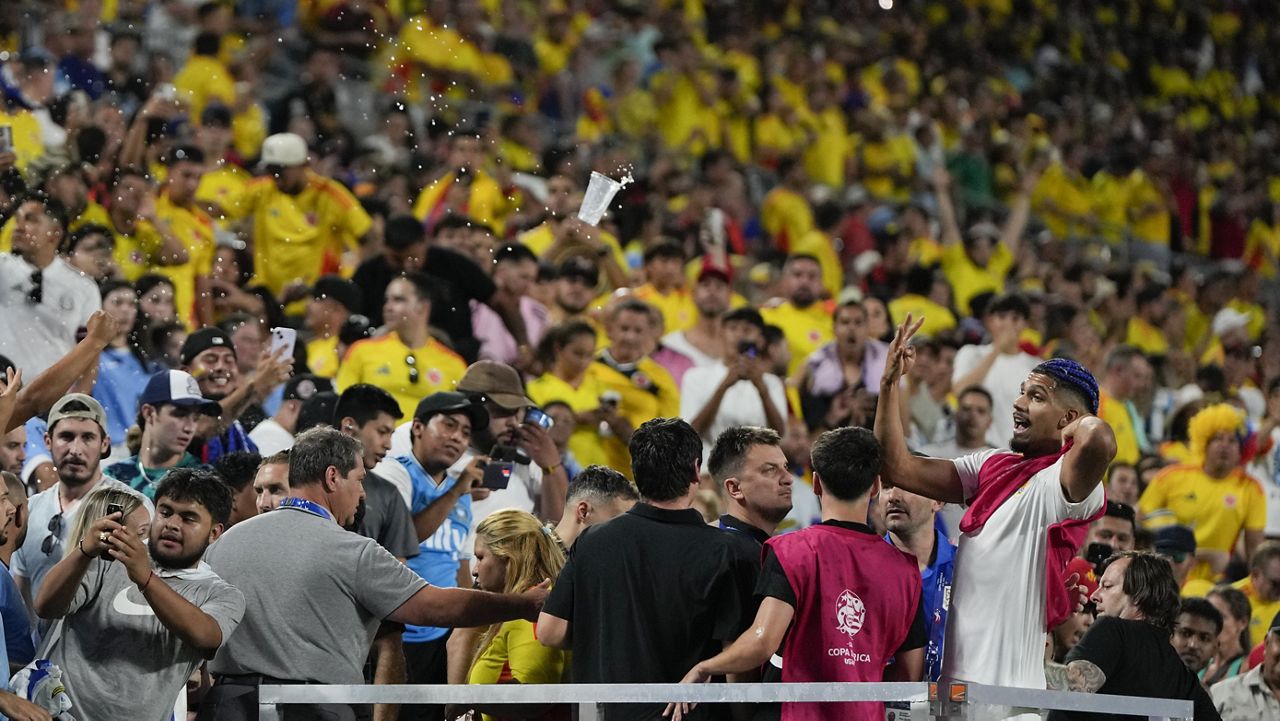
(302, 504)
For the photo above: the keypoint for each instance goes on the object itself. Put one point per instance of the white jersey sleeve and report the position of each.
(969, 467)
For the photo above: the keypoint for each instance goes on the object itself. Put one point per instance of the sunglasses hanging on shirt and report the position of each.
(413, 368)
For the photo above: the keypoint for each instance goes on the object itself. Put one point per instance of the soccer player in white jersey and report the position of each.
(1028, 512)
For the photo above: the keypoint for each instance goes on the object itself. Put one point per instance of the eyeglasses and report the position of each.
(36, 294)
(55, 535)
(413, 368)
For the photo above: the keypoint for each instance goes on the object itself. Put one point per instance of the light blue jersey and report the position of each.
(437, 559)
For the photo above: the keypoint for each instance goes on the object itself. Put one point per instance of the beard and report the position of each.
(1019, 446)
(76, 474)
(175, 561)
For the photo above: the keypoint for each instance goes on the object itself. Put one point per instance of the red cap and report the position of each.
(710, 268)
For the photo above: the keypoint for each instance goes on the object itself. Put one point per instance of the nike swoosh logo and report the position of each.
(122, 604)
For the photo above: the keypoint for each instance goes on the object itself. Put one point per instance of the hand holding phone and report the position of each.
(497, 475)
(283, 339)
(539, 417)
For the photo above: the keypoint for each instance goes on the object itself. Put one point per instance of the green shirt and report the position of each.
(144, 480)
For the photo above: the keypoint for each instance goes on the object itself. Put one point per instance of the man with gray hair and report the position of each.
(334, 590)
(595, 495)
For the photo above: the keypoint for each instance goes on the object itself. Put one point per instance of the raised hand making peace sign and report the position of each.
(902, 355)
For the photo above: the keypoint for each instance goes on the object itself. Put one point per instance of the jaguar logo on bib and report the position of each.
(850, 613)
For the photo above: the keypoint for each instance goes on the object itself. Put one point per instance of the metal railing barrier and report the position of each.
(967, 702)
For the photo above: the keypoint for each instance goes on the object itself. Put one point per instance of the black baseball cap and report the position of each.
(216, 114)
(339, 289)
(451, 402)
(304, 387)
(357, 327)
(1175, 539)
(204, 339)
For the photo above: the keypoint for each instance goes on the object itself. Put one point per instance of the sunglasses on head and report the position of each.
(55, 535)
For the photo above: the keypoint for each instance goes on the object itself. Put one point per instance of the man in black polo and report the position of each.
(647, 593)
(748, 463)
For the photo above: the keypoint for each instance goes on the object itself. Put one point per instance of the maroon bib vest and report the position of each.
(856, 598)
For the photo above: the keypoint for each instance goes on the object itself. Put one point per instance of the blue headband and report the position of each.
(1073, 374)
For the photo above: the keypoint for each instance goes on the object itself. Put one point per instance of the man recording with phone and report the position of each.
(736, 390)
(440, 501)
(135, 629)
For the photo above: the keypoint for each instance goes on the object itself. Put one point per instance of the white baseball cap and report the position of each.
(285, 149)
(1229, 319)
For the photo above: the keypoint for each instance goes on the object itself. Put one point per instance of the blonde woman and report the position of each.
(515, 552)
(135, 516)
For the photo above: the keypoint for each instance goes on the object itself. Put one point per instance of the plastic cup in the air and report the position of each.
(600, 192)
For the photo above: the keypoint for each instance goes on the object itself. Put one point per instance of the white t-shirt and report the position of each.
(677, 342)
(741, 405)
(995, 630)
(36, 335)
(521, 492)
(1003, 382)
(270, 437)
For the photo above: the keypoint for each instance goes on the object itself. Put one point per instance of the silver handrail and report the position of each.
(969, 701)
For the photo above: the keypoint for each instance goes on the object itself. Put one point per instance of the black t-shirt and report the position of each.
(1138, 660)
(748, 542)
(457, 281)
(648, 595)
(773, 583)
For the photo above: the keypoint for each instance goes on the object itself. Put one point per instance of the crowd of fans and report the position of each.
(231, 227)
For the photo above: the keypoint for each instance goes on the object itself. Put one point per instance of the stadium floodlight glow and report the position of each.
(886, 4)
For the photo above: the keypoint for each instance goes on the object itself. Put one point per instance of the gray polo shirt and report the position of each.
(314, 596)
(118, 660)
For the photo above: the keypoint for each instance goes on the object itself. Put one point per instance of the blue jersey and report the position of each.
(121, 380)
(935, 596)
(438, 556)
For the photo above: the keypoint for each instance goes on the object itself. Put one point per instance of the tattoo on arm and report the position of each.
(1079, 675)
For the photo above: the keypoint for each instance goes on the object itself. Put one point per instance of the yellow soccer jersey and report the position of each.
(409, 374)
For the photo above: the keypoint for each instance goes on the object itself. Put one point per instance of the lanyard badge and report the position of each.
(302, 504)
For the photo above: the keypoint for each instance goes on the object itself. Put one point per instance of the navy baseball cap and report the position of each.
(177, 388)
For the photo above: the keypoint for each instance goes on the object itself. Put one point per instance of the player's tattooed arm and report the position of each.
(1079, 675)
